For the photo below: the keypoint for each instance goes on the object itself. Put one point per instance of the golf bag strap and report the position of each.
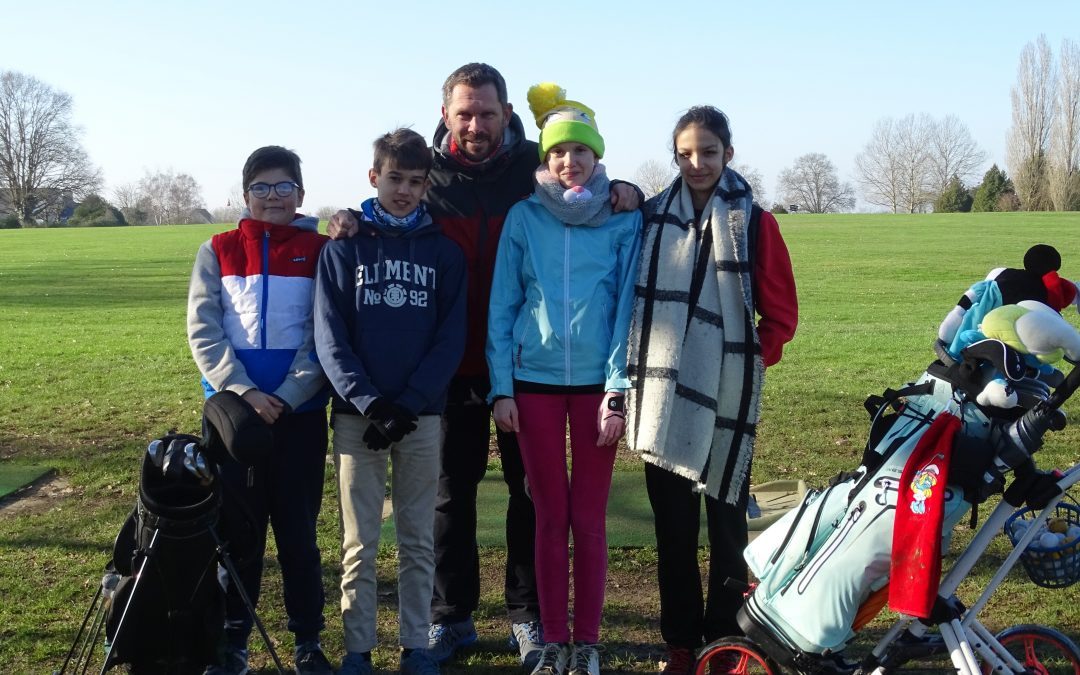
(875, 402)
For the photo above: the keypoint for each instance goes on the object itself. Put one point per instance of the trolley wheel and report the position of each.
(734, 655)
(1042, 650)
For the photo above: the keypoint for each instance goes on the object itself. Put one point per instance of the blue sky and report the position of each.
(195, 86)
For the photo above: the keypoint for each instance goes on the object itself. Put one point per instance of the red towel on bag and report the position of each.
(920, 506)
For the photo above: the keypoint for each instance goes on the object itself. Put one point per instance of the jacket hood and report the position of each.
(513, 140)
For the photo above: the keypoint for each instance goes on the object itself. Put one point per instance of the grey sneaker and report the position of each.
(419, 662)
(528, 638)
(354, 663)
(444, 639)
(586, 660)
(234, 663)
(554, 658)
(310, 660)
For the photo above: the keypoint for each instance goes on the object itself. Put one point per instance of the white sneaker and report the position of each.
(586, 660)
(553, 659)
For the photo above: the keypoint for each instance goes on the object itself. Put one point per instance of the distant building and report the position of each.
(200, 216)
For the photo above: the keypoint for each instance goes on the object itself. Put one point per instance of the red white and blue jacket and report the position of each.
(249, 320)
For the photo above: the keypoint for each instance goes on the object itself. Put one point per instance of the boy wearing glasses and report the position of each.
(250, 330)
(390, 332)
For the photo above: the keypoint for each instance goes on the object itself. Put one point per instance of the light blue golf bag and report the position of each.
(818, 564)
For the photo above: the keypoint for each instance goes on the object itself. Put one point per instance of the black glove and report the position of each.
(379, 409)
(389, 424)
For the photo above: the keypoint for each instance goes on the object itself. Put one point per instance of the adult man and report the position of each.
(483, 165)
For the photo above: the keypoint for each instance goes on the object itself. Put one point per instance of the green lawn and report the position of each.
(94, 363)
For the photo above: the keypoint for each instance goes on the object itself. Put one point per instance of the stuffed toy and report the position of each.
(1041, 335)
(1038, 280)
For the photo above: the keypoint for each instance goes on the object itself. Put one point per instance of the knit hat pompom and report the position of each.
(561, 120)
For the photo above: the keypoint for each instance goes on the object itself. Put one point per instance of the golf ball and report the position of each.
(1049, 540)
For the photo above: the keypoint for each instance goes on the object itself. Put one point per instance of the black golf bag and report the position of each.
(168, 611)
(161, 603)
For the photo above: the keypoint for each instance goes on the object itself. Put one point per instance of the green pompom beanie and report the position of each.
(561, 120)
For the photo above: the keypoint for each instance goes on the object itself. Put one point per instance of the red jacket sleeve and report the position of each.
(774, 290)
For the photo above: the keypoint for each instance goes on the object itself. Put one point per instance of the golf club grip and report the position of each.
(1067, 388)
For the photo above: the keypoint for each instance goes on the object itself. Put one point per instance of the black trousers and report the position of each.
(284, 491)
(687, 619)
(464, 462)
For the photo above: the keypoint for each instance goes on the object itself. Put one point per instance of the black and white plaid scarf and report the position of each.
(694, 354)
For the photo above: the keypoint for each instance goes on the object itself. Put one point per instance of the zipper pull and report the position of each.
(251, 476)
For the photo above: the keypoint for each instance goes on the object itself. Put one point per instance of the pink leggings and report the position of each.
(567, 503)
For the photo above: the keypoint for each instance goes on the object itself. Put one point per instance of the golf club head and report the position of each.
(156, 451)
(173, 466)
(202, 469)
(189, 465)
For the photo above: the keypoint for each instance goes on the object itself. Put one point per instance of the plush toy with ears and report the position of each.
(1034, 330)
(1038, 280)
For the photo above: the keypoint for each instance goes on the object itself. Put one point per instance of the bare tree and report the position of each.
(1033, 103)
(325, 212)
(914, 133)
(878, 167)
(42, 163)
(234, 207)
(908, 162)
(1064, 161)
(952, 152)
(895, 166)
(169, 197)
(813, 184)
(128, 198)
(752, 176)
(653, 177)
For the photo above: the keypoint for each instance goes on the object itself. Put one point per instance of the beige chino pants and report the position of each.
(362, 486)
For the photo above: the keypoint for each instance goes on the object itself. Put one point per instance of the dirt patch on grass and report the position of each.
(38, 497)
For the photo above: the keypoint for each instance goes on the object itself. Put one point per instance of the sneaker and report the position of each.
(418, 662)
(528, 638)
(553, 660)
(310, 660)
(354, 663)
(234, 663)
(680, 661)
(586, 660)
(446, 638)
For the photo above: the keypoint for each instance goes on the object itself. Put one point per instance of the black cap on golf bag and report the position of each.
(232, 428)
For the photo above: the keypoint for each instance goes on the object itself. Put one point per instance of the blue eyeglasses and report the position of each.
(262, 190)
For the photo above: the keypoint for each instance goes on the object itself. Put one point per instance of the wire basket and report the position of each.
(1050, 566)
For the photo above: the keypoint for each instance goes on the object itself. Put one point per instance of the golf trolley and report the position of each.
(953, 628)
(160, 603)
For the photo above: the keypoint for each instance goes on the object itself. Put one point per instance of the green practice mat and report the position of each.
(629, 520)
(14, 477)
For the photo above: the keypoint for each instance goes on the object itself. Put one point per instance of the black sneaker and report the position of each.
(310, 660)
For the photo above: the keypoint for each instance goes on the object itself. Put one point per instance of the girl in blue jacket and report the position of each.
(560, 309)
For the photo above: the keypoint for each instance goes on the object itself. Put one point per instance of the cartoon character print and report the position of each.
(922, 487)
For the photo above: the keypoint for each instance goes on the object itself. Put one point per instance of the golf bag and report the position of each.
(820, 563)
(161, 604)
(168, 611)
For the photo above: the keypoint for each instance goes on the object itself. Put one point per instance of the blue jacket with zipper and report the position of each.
(561, 300)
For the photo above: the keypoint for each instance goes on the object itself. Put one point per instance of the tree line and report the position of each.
(912, 164)
(918, 163)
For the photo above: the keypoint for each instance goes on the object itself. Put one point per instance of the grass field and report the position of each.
(94, 363)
